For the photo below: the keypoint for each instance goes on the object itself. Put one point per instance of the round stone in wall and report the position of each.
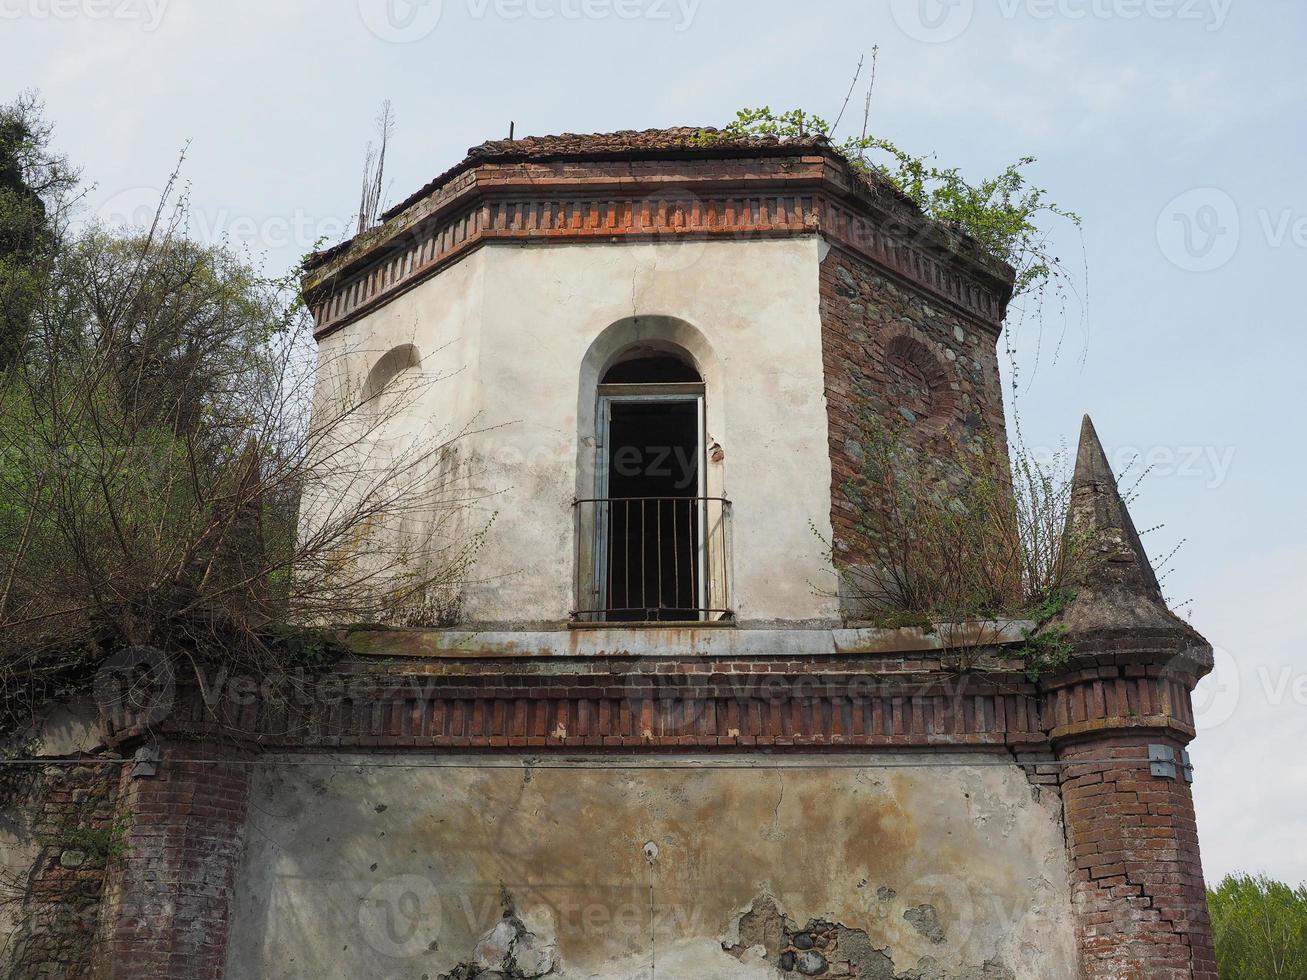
(811, 963)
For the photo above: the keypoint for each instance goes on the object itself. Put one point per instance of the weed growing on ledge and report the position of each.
(1046, 647)
(102, 844)
(1003, 214)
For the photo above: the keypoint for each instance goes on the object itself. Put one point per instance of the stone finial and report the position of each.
(1118, 588)
(1098, 510)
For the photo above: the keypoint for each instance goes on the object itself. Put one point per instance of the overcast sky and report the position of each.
(1176, 128)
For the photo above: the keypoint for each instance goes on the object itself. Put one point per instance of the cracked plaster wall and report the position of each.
(940, 873)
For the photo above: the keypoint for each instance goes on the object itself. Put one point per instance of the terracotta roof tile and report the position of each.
(629, 141)
(687, 140)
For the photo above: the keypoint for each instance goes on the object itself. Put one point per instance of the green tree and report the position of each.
(162, 426)
(1260, 927)
(34, 184)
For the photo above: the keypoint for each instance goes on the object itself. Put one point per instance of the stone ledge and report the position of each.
(674, 642)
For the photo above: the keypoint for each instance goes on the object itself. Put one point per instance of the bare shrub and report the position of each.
(977, 534)
(170, 479)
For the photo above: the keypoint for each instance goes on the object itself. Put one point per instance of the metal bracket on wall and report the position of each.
(145, 762)
(1186, 766)
(1161, 761)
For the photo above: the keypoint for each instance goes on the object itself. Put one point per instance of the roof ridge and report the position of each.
(674, 139)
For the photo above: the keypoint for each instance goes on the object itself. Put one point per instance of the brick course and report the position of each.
(169, 896)
(1136, 875)
(800, 192)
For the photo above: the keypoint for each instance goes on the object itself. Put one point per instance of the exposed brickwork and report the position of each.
(1137, 880)
(1102, 697)
(863, 700)
(71, 814)
(167, 909)
(898, 361)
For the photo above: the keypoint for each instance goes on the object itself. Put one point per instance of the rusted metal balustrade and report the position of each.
(653, 559)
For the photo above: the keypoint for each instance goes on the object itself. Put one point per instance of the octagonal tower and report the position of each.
(583, 294)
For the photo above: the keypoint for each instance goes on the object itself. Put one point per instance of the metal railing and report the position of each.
(652, 559)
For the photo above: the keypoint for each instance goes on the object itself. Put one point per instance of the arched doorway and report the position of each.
(650, 494)
(651, 541)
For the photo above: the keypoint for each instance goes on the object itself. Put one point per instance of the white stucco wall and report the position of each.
(511, 327)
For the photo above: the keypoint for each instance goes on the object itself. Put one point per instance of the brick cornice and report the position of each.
(855, 701)
(754, 708)
(656, 200)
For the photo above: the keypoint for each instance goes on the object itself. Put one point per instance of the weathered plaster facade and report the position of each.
(519, 335)
(400, 873)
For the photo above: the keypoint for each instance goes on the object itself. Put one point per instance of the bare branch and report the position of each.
(853, 84)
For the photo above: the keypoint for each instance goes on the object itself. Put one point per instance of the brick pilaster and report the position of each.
(166, 914)
(1136, 875)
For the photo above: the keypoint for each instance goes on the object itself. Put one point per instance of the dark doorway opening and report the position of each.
(653, 562)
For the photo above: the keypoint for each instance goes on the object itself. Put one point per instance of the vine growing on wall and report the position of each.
(1006, 214)
(981, 535)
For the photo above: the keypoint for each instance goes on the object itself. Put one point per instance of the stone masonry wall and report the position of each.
(68, 817)
(899, 362)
